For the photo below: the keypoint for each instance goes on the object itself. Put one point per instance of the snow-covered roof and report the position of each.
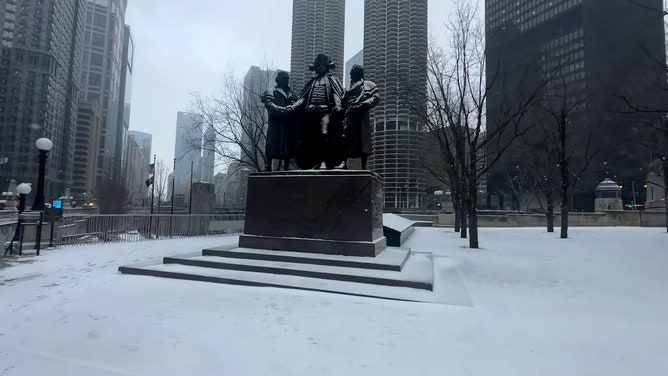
(608, 185)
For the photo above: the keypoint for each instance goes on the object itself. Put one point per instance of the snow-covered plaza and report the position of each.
(529, 304)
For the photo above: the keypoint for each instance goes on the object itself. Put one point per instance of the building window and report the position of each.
(100, 20)
(94, 79)
(98, 40)
(96, 59)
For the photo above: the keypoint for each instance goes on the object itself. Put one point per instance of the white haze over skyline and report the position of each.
(185, 47)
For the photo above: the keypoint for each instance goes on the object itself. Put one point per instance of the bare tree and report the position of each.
(439, 159)
(114, 195)
(539, 158)
(519, 183)
(458, 89)
(161, 180)
(234, 122)
(566, 135)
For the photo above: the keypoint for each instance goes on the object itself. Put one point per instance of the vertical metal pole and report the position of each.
(21, 242)
(150, 219)
(17, 232)
(38, 204)
(39, 232)
(633, 190)
(51, 236)
(153, 185)
(190, 199)
(171, 210)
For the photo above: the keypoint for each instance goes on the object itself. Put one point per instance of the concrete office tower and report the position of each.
(357, 59)
(144, 140)
(188, 148)
(256, 81)
(317, 27)
(208, 154)
(102, 64)
(89, 124)
(39, 65)
(138, 160)
(125, 95)
(605, 50)
(395, 58)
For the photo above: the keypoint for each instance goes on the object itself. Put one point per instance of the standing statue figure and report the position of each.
(358, 101)
(281, 136)
(320, 132)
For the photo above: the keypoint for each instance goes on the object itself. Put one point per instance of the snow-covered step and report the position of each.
(417, 271)
(392, 258)
(235, 277)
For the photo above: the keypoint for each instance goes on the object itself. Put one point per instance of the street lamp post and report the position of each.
(438, 194)
(23, 191)
(150, 218)
(44, 145)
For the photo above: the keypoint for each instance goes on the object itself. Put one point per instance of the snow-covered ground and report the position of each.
(595, 304)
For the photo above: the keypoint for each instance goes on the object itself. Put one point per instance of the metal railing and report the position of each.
(106, 228)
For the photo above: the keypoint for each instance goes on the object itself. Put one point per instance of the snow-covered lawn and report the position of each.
(595, 304)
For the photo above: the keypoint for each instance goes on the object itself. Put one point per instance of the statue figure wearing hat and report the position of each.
(321, 128)
(281, 134)
(358, 101)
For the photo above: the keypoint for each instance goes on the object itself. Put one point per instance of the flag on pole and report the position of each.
(151, 168)
(149, 181)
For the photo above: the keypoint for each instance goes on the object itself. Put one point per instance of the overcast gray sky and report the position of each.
(186, 46)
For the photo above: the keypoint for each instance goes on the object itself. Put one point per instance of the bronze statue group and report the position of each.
(323, 126)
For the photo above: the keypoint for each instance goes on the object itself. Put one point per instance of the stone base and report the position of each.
(316, 211)
(397, 229)
(330, 247)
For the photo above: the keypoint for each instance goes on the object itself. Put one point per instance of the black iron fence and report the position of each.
(105, 228)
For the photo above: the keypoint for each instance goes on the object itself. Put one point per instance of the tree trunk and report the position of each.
(473, 221)
(457, 220)
(564, 211)
(564, 221)
(550, 213)
(564, 178)
(463, 216)
(458, 211)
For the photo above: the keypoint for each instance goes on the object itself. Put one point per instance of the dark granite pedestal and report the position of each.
(316, 211)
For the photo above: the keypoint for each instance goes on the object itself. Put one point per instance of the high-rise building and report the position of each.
(357, 59)
(317, 28)
(138, 160)
(101, 75)
(39, 66)
(208, 154)
(219, 181)
(256, 81)
(395, 58)
(145, 141)
(125, 94)
(601, 51)
(192, 145)
(89, 123)
(136, 170)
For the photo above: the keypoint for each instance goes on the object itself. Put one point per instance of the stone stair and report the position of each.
(395, 273)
